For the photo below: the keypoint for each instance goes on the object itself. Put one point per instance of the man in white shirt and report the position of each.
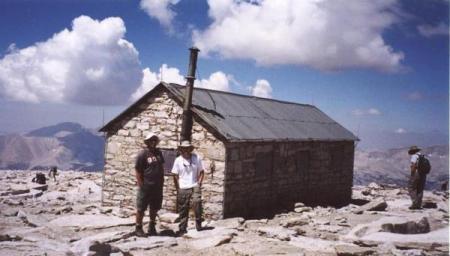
(416, 181)
(189, 173)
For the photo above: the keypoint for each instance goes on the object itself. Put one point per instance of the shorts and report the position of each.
(149, 196)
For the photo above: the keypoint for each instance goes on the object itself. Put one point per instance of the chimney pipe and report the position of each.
(186, 126)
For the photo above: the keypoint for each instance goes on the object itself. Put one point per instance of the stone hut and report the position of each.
(261, 155)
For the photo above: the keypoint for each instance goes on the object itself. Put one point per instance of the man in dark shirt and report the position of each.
(150, 181)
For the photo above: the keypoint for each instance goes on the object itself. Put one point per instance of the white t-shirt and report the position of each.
(415, 158)
(188, 171)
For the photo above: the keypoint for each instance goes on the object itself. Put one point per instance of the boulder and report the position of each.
(168, 217)
(294, 221)
(302, 209)
(410, 227)
(233, 223)
(375, 205)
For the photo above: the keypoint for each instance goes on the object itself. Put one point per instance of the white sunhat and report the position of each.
(150, 135)
(185, 144)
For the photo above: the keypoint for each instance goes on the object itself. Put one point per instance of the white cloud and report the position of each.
(327, 35)
(373, 111)
(216, 81)
(262, 88)
(160, 10)
(89, 64)
(441, 29)
(366, 112)
(400, 131)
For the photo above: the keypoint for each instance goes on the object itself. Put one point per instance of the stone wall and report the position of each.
(161, 115)
(264, 178)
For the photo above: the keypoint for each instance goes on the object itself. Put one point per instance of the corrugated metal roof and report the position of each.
(245, 118)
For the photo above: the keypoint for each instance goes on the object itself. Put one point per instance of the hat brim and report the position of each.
(154, 136)
(413, 151)
(186, 146)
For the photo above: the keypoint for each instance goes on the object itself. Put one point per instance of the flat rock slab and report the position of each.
(84, 245)
(218, 231)
(295, 221)
(277, 232)
(350, 250)
(91, 221)
(433, 238)
(209, 242)
(147, 243)
(375, 205)
(233, 223)
(319, 246)
(255, 247)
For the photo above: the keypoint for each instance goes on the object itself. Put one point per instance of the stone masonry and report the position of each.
(162, 115)
(263, 178)
(247, 179)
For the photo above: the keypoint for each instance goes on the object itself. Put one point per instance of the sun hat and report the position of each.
(150, 135)
(413, 150)
(185, 144)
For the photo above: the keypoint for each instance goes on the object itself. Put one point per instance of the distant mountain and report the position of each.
(392, 166)
(66, 145)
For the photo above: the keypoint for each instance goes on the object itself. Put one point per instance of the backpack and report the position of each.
(423, 165)
(40, 178)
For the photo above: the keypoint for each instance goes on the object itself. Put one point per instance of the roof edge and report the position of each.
(109, 125)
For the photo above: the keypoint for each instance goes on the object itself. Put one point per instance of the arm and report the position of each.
(413, 166)
(201, 173)
(175, 173)
(200, 177)
(139, 178)
(138, 167)
(175, 181)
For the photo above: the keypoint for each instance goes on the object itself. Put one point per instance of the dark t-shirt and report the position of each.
(150, 163)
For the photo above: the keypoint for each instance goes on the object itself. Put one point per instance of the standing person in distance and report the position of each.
(188, 178)
(417, 180)
(150, 181)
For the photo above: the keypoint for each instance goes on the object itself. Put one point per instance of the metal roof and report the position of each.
(245, 118)
(238, 118)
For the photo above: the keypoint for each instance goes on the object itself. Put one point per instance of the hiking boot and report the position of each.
(198, 225)
(181, 232)
(152, 230)
(139, 232)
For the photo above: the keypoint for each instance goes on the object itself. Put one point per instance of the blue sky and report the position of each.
(380, 68)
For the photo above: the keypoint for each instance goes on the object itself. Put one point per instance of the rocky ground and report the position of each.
(66, 218)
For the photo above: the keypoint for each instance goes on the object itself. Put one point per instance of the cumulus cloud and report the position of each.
(366, 112)
(160, 10)
(441, 29)
(216, 81)
(89, 64)
(326, 35)
(262, 88)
